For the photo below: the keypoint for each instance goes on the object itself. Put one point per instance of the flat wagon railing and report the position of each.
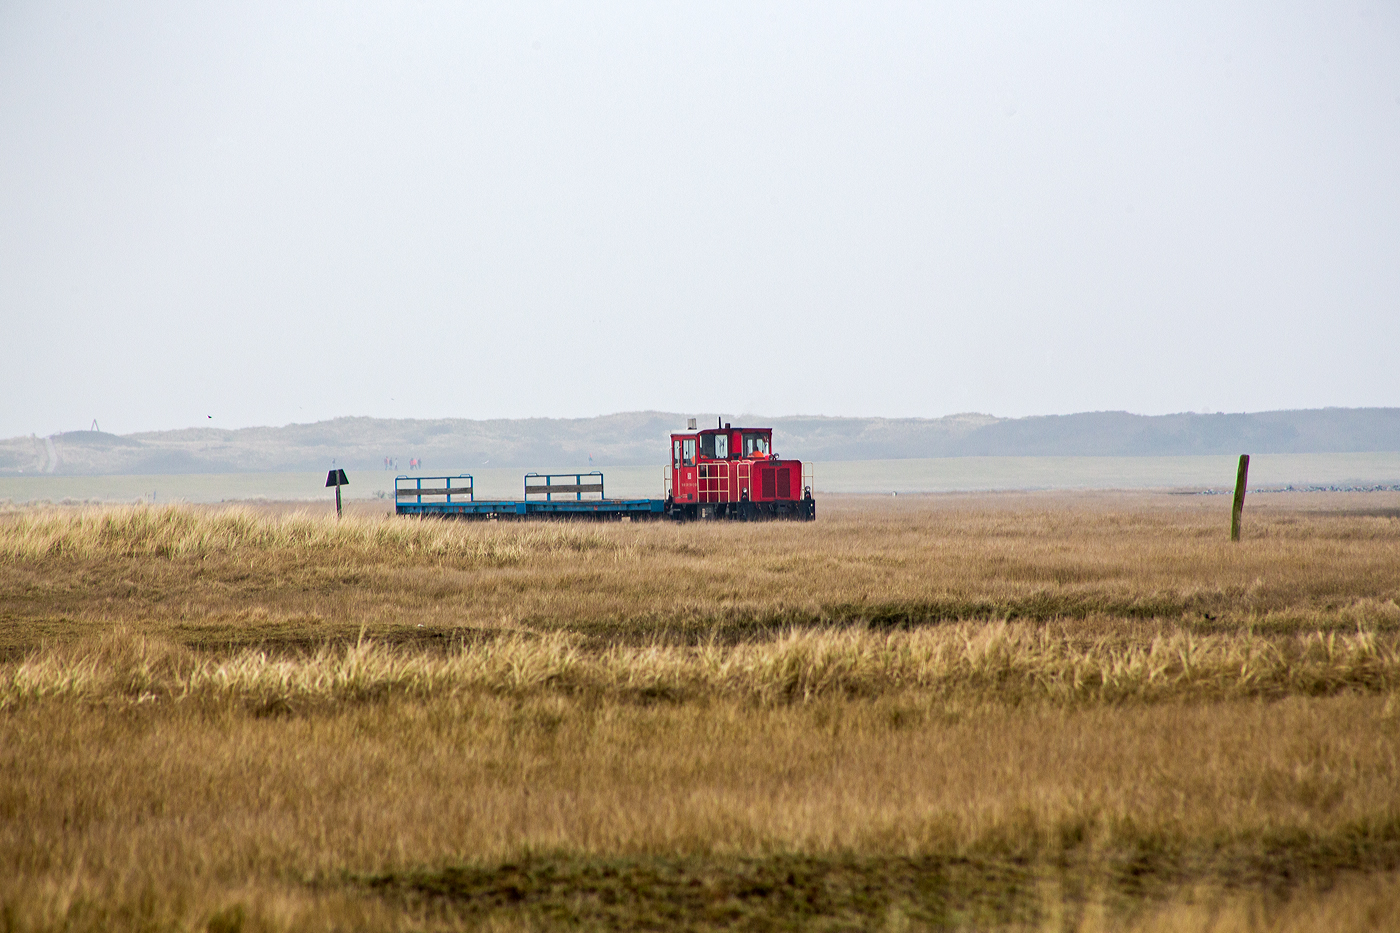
(544, 484)
(436, 488)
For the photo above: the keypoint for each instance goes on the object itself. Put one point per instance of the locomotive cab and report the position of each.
(729, 472)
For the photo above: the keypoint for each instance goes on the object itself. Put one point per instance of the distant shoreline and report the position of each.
(641, 438)
(1200, 475)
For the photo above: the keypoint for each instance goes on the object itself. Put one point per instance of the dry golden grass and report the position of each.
(227, 577)
(165, 814)
(1038, 712)
(998, 661)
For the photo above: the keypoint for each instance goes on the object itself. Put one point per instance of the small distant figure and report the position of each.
(386, 463)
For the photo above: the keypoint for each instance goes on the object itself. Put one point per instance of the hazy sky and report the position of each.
(280, 212)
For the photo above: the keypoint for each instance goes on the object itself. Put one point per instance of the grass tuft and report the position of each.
(991, 662)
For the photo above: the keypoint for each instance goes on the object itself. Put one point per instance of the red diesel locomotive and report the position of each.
(729, 472)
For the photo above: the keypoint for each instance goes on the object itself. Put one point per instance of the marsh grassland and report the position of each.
(1029, 712)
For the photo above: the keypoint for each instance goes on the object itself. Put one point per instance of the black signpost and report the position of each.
(337, 479)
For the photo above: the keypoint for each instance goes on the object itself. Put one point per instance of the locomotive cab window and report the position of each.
(755, 445)
(676, 454)
(688, 452)
(714, 446)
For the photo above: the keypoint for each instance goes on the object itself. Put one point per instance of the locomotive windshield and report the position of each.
(714, 446)
(755, 444)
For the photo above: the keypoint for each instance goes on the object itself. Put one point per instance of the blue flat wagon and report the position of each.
(546, 496)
